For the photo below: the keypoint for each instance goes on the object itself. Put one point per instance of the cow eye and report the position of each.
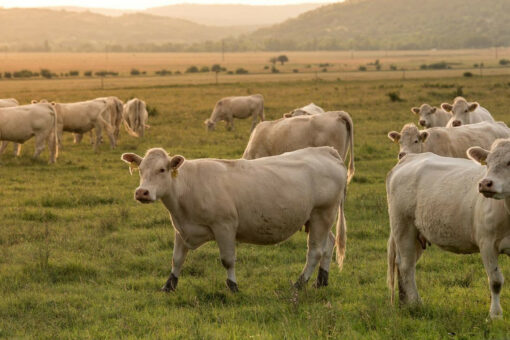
(465, 111)
(508, 164)
(416, 141)
(161, 170)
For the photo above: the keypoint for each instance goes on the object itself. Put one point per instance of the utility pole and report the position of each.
(223, 50)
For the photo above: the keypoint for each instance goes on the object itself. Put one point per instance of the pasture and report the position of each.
(79, 258)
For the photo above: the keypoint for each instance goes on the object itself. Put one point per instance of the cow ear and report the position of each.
(131, 158)
(473, 106)
(415, 110)
(433, 110)
(447, 107)
(394, 136)
(175, 162)
(33, 101)
(287, 115)
(53, 104)
(423, 136)
(478, 154)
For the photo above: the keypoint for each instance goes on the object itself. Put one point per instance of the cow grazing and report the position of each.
(20, 123)
(114, 113)
(466, 113)
(135, 117)
(237, 107)
(431, 116)
(456, 204)
(9, 102)
(333, 128)
(310, 109)
(448, 141)
(263, 201)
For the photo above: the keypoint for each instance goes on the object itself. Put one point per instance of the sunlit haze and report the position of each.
(119, 4)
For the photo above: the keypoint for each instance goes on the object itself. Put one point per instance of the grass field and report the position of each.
(79, 258)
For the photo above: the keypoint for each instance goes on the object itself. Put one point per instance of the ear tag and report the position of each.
(174, 173)
(395, 141)
(133, 167)
(483, 162)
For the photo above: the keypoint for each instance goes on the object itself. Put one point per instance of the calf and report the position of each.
(263, 201)
(456, 204)
(237, 107)
(466, 113)
(448, 141)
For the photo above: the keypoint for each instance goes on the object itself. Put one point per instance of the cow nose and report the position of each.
(456, 123)
(423, 123)
(485, 184)
(142, 194)
(401, 155)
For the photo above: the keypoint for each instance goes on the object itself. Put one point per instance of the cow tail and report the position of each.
(350, 128)
(106, 124)
(262, 115)
(54, 132)
(392, 266)
(341, 232)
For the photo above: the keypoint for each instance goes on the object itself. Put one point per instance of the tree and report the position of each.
(282, 59)
(273, 61)
(216, 68)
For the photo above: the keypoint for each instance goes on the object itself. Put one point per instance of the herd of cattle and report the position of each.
(47, 121)
(293, 174)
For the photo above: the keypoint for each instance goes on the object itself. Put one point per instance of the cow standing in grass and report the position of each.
(135, 117)
(262, 201)
(237, 107)
(456, 204)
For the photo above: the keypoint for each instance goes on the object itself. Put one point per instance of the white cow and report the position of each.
(456, 204)
(466, 113)
(310, 109)
(9, 102)
(114, 113)
(262, 201)
(20, 123)
(431, 116)
(237, 107)
(448, 141)
(135, 117)
(333, 128)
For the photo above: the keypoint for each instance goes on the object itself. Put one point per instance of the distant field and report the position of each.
(80, 259)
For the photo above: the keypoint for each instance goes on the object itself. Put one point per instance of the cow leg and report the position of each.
(179, 255)
(490, 262)
(225, 238)
(77, 138)
(91, 133)
(254, 123)
(322, 277)
(230, 124)
(98, 131)
(17, 149)
(3, 146)
(408, 250)
(40, 140)
(111, 137)
(319, 227)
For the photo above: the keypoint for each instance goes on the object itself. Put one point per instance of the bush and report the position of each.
(230, 72)
(362, 68)
(152, 111)
(46, 73)
(177, 72)
(324, 65)
(423, 67)
(324, 70)
(266, 67)
(192, 69)
(23, 74)
(437, 66)
(459, 92)
(241, 71)
(204, 69)
(504, 62)
(468, 74)
(106, 73)
(295, 70)
(163, 72)
(393, 67)
(274, 70)
(394, 96)
(87, 73)
(135, 72)
(476, 65)
(74, 73)
(7, 75)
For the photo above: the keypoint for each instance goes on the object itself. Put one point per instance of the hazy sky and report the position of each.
(126, 4)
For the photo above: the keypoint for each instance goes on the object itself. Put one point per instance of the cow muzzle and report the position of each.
(423, 123)
(143, 196)
(456, 123)
(486, 188)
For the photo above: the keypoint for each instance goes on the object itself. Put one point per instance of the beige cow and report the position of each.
(333, 128)
(20, 123)
(114, 113)
(135, 117)
(431, 116)
(456, 204)
(9, 102)
(310, 109)
(237, 107)
(466, 113)
(258, 201)
(448, 141)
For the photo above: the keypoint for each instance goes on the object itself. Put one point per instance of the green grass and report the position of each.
(79, 258)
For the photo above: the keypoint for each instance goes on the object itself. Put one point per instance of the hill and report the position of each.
(43, 29)
(392, 24)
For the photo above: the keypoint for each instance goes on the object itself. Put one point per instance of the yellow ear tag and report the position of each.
(132, 167)
(483, 162)
(174, 173)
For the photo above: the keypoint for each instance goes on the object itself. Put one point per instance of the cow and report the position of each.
(334, 128)
(237, 107)
(9, 102)
(466, 113)
(431, 116)
(20, 123)
(310, 109)
(460, 206)
(135, 117)
(262, 201)
(448, 141)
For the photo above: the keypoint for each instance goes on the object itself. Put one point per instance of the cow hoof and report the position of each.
(171, 284)
(232, 286)
(322, 278)
(300, 283)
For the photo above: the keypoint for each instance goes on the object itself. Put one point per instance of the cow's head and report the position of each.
(426, 114)
(210, 124)
(157, 170)
(410, 139)
(461, 111)
(496, 183)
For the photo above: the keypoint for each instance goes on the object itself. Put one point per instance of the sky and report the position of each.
(130, 4)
